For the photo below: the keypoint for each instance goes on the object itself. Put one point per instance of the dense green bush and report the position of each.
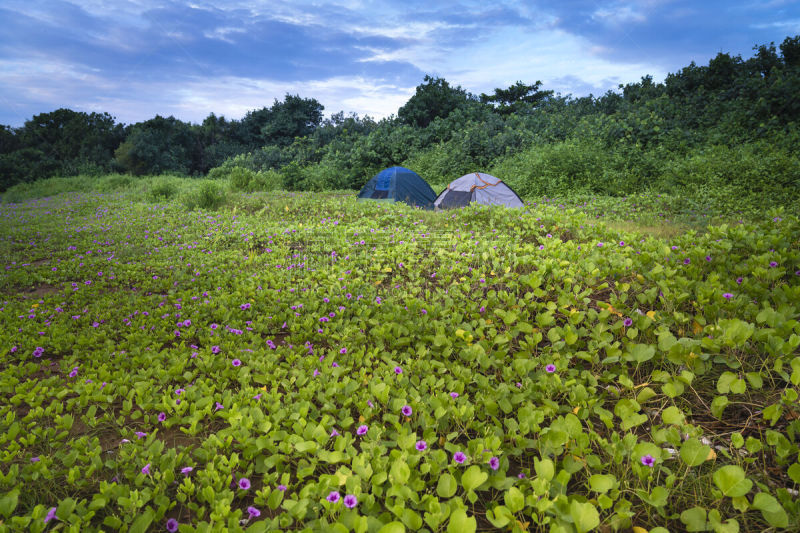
(208, 195)
(162, 190)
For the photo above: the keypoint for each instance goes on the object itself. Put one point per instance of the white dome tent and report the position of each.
(477, 188)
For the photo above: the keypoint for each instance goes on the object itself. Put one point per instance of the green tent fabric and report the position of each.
(399, 184)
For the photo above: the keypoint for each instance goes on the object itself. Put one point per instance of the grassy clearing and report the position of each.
(568, 367)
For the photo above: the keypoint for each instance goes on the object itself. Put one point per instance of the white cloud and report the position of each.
(618, 15)
(500, 59)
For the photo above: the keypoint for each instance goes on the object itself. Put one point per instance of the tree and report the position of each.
(790, 51)
(160, 145)
(74, 139)
(516, 97)
(281, 123)
(294, 117)
(433, 98)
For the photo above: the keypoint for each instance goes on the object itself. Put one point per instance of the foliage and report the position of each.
(209, 195)
(728, 127)
(307, 361)
(158, 145)
(61, 142)
(515, 98)
(433, 98)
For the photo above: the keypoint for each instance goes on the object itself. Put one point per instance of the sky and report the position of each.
(135, 59)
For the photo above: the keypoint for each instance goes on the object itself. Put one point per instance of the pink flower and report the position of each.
(350, 501)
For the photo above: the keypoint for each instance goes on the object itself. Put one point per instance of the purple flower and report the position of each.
(253, 512)
(362, 430)
(550, 368)
(648, 460)
(146, 469)
(521, 475)
(482, 309)
(708, 258)
(162, 416)
(35, 459)
(343, 351)
(140, 434)
(459, 457)
(244, 483)
(236, 362)
(727, 295)
(186, 470)
(398, 370)
(494, 463)
(214, 326)
(334, 433)
(172, 525)
(406, 410)
(51, 513)
(74, 372)
(215, 349)
(622, 243)
(333, 497)
(739, 281)
(350, 501)
(421, 445)
(628, 322)
(687, 261)
(599, 244)
(218, 406)
(773, 264)
(316, 372)
(282, 488)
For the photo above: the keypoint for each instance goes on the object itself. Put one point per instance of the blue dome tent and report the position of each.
(398, 184)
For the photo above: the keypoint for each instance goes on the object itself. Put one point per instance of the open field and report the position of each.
(296, 361)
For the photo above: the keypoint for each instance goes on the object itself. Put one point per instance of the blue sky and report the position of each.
(138, 58)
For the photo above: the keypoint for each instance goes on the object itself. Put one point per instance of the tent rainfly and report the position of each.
(477, 188)
(399, 184)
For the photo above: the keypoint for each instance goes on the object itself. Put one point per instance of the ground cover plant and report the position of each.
(296, 361)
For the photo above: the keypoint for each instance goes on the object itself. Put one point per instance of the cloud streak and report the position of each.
(136, 59)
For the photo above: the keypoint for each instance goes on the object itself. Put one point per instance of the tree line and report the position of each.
(643, 134)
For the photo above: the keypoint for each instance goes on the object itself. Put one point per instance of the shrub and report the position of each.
(162, 190)
(209, 196)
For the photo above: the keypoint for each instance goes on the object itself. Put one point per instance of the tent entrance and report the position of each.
(454, 199)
